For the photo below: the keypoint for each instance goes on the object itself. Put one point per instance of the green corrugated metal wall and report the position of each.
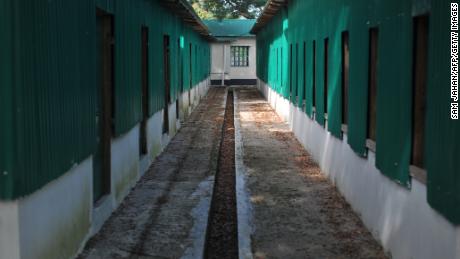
(6, 101)
(48, 81)
(308, 21)
(129, 16)
(443, 144)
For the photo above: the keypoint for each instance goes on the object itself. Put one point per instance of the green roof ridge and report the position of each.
(230, 27)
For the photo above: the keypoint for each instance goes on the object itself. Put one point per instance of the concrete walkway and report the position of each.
(296, 211)
(166, 214)
(286, 207)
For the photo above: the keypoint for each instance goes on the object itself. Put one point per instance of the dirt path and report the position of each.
(296, 211)
(166, 214)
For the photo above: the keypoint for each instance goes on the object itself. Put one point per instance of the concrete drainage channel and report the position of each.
(222, 231)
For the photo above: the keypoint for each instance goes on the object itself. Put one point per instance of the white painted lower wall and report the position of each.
(38, 225)
(57, 220)
(400, 219)
(9, 230)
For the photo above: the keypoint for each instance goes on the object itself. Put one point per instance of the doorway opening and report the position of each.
(326, 74)
(177, 109)
(181, 63)
(166, 65)
(190, 74)
(181, 76)
(420, 72)
(144, 89)
(313, 100)
(290, 72)
(345, 76)
(105, 102)
(372, 91)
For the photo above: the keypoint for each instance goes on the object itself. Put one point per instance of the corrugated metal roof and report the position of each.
(271, 8)
(230, 27)
(184, 10)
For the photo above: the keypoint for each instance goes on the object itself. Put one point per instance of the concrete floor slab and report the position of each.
(165, 215)
(291, 210)
(296, 211)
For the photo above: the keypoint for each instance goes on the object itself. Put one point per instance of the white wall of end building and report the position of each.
(217, 60)
(399, 218)
(244, 72)
(57, 220)
(221, 61)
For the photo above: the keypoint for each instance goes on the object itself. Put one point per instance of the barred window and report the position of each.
(239, 56)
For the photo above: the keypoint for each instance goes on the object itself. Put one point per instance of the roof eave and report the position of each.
(185, 11)
(271, 9)
(235, 36)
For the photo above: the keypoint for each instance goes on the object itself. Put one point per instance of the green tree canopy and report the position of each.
(227, 9)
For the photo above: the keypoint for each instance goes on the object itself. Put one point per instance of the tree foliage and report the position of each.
(227, 9)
